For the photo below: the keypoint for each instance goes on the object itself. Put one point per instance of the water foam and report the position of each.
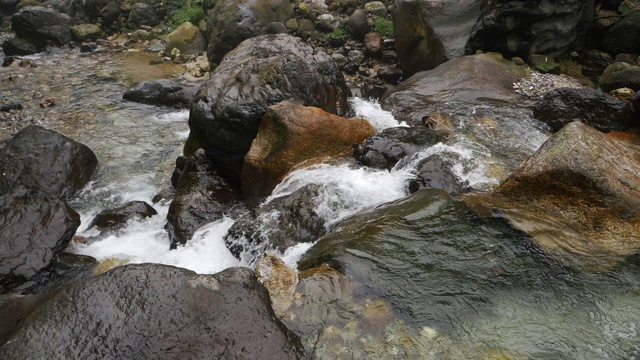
(373, 113)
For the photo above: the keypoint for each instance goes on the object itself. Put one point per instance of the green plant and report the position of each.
(339, 33)
(383, 26)
(188, 12)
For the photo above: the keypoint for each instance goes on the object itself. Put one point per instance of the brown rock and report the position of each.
(279, 279)
(290, 134)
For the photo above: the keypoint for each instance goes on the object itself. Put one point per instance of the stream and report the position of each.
(542, 310)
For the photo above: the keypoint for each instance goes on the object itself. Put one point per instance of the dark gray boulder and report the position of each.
(619, 75)
(39, 24)
(118, 217)
(142, 14)
(429, 32)
(260, 72)
(358, 24)
(624, 36)
(34, 228)
(523, 28)
(162, 92)
(45, 160)
(17, 46)
(202, 196)
(602, 111)
(230, 22)
(153, 311)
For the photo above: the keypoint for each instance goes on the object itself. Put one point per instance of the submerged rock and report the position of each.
(260, 72)
(291, 134)
(34, 228)
(601, 111)
(162, 92)
(45, 160)
(115, 218)
(156, 311)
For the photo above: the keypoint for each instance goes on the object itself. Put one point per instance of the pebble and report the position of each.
(538, 84)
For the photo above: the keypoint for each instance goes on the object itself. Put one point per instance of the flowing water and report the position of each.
(432, 265)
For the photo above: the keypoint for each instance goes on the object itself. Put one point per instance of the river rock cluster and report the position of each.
(268, 93)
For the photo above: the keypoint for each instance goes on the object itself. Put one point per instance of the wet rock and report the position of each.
(290, 134)
(279, 279)
(588, 180)
(142, 14)
(390, 74)
(35, 228)
(230, 22)
(87, 48)
(545, 64)
(435, 172)
(181, 161)
(84, 32)
(187, 38)
(594, 62)
(601, 111)
(619, 75)
(157, 311)
(17, 46)
(40, 24)
(202, 197)
(383, 151)
(261, 72)
(116, 218)
(45, 160)
(162, 92)
(6, 106)
(520, 28)
(470, 79)
(164, 195)
(627, 58)
(625, 94)
(428, 33)
(277, 225)
(624, 36)
(358, 24)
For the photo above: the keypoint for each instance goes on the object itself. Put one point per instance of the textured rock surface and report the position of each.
(620, 75)
(118, 217)
(156, 311)
(187, 38)
(162, 92)
(41, 24)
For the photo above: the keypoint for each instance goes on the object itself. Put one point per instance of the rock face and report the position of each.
(161, 92)
(290, 134)
(35, 228)
(589, 180)
(470, 79)
(430, 32)
(624, 36)
(602, 111)
(187, 38)
(620, 75)
(260, 72)
(118, 217)
(156, 311)
(201, 197)
(232, 21)
(45, 160)
(523, 28)
(41, 24)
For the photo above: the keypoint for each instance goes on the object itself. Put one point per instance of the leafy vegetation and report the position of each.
(189, 12)
(339, 33)
(383, 26)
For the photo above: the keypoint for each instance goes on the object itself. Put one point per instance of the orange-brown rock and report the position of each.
(290, 134)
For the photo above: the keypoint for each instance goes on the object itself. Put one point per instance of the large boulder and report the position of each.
(162, 92)
(624, 36)
(156, 311)
(620, 75)
(40, 24)
(187, 38)
(232, 21)
(45, 160)
(201, 197)
(430, 32)
(290, 134)
(142, 14)
(591, 182)
(477, 79)
(35, 228)
(523, 28)
(260, 72)
(602, 111)
(17, 46)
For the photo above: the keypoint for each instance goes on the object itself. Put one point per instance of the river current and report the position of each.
(576, 315)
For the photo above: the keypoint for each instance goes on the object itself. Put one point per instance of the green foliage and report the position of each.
(188, 12)
(383, 26)
(339, 33)
(152, 36)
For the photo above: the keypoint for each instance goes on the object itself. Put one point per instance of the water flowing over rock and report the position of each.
(114, 218)
(232, 21)
(601, 111)
(260, 72)
(34, 228)
(523, 28)
(291, 134)
(477, 79)
(430, 32)
(590, 183)
(202, 196)
(156, 311)
(40, 24)
(45, 160)
(162, 92)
